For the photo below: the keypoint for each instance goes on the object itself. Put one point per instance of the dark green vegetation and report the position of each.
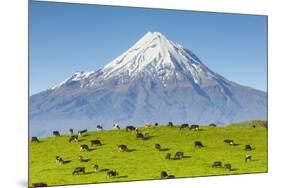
(253, 123)
(143, 161)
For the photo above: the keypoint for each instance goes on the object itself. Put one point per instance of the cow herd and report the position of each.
(124, 148)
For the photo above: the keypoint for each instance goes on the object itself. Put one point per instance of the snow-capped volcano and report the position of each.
(153, 55)
(154, 80)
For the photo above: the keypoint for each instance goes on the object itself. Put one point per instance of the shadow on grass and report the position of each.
(234, 169)
(85, 160)
(65, 162)
(104, 170)
(131, 150)
(165, 149)
(122, 176)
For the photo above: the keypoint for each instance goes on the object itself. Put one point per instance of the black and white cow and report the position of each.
(56, 133)
(112, 173)
(170, 124)
(77, 170)
(81, 132)
(73, 138)
(84, 147)
(96, 167)
(248, 157)
(116, 126)
(217, 164)
(168, 156)
(227, 166)
(194, 127)
(59, 160)
(131, 128)
(184, 126)
(248, 147)
(158, 147)
(96, 142)
(99, 128)
(178, 155)
(198, 144)
(34, 139)
(122, 147)
(70, 131)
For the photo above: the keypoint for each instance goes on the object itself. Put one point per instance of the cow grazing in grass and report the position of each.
(96, 142)
(70, 131)
(84, 147)
(116, 127)
(96, 167)
(73, 138)
(170, 124)
(194, 127)
(217, 164)
(198, 144)
(248, 147)
(248, 157)
(184, 126)
(168, 156)
(39, 185)
(140, 136)
(131, 128)
(123, 147)
(56, 133)
(178, 155)
(158, 147)
(59, 160)
(78, 170)
(112, 173)
(99, 128)
(212, 125)
(156, 124)
(80, 133)
(34, 139)
(164, 175)
(227, 166)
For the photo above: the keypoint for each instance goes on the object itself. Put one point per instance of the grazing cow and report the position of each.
(82, 132)
(96, 167)
(170, 124)
(59, 160)
(96, 142)
(77, 170)
(163, 175)
(73, 138)
(227, 166)
(168, 156)
(116, 126)
(158, 147)
(39, 184)
(248, 147)
(99, 128)
(34, 139)
(156, 124)
(254, 126)
(194, 127)
(123, 147)
(131, 128)
(84, 147)
(248, 157)
(56, 133)
(140, 135)
(217, 164)
(71, 131)
(198, 144)
(184, 126)
(112, 173)
(178, 155)
(212, 125)
(230, 142)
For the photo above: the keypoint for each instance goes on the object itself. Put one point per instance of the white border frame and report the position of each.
(14, 91)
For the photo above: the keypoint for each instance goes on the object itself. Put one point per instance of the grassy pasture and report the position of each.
(143, 162)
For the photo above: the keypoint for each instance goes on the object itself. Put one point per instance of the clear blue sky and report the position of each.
(65, 38)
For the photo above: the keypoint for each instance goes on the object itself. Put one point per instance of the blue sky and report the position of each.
(65, 38)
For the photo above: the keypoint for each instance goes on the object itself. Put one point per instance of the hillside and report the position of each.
(143, 162)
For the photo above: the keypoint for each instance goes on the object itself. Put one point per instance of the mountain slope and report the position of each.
(155, 80)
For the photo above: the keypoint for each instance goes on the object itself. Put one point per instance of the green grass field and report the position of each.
(144, 162)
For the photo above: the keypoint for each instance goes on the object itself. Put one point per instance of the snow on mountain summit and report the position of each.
(152, 55)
